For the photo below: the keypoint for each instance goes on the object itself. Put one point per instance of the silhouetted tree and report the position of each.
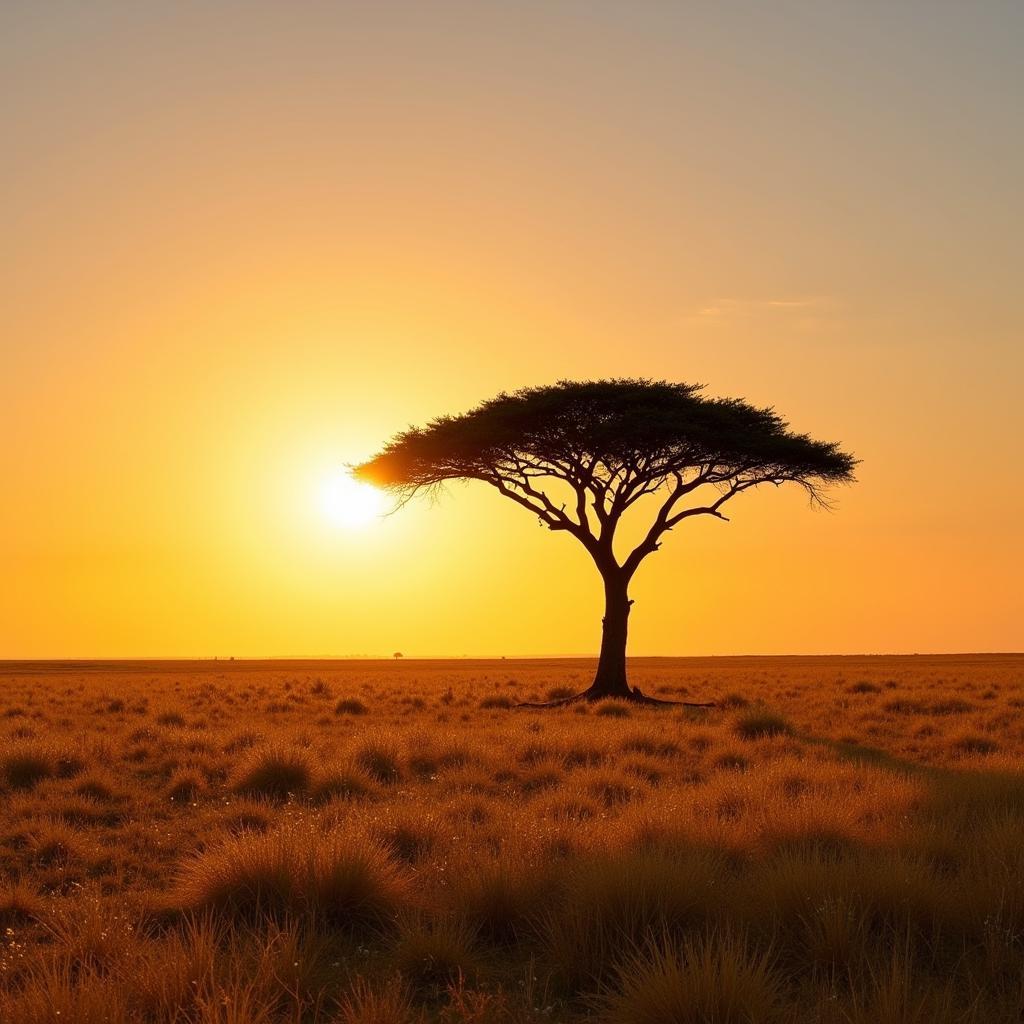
(581, 455)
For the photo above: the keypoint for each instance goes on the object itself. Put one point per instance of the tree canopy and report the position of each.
(611, 442)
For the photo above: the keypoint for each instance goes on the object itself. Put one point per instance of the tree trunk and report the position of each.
(610, 680)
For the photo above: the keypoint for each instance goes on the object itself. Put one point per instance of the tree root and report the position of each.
(635, 696)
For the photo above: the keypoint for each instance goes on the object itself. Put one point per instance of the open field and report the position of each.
(840, 839)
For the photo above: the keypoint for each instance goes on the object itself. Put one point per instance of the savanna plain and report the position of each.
(837, 840)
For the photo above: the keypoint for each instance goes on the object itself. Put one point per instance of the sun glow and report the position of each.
(349, 503)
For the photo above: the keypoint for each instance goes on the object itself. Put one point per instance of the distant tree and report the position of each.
(397, 655)
(581, 455)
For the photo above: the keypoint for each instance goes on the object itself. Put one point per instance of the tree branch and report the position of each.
(502, 485)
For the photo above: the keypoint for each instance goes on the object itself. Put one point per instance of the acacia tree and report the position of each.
(580, 455)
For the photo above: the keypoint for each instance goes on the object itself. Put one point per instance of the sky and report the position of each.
(245, 243)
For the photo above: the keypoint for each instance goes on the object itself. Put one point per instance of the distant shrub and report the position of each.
(274, 772)
(345, 881)
(350, 706)
(171, 718)
(755, 725)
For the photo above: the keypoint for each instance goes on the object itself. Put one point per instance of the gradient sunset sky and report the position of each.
(244, 243)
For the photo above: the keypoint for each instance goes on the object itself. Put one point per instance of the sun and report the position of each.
(348, 502)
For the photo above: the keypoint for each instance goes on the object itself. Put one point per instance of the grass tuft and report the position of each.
(19, 905)
(185, 785)
(756, 725)
(375, 1003)
(865, 687)
(340, 784)
(433, 953)
(610, 902)
(379, 758)
(350, 706)
(974, 744)
(346, 881)
(497, 701)
(275, 773)
(733, 701)
(560, 693)
(718, 979)
(613, 709)
(25, 766)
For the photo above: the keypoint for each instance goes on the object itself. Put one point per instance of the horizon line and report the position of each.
(227, 659)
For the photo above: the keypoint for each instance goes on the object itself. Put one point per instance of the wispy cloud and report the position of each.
(804, 309)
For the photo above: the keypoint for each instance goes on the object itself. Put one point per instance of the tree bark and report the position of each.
(610, 679)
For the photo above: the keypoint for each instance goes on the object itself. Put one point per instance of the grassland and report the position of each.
(838, 840)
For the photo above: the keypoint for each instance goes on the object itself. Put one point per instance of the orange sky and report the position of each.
(244, 243)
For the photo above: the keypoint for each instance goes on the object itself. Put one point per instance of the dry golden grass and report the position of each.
(839, 840)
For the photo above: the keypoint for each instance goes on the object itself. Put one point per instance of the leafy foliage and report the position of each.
(609, 442)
